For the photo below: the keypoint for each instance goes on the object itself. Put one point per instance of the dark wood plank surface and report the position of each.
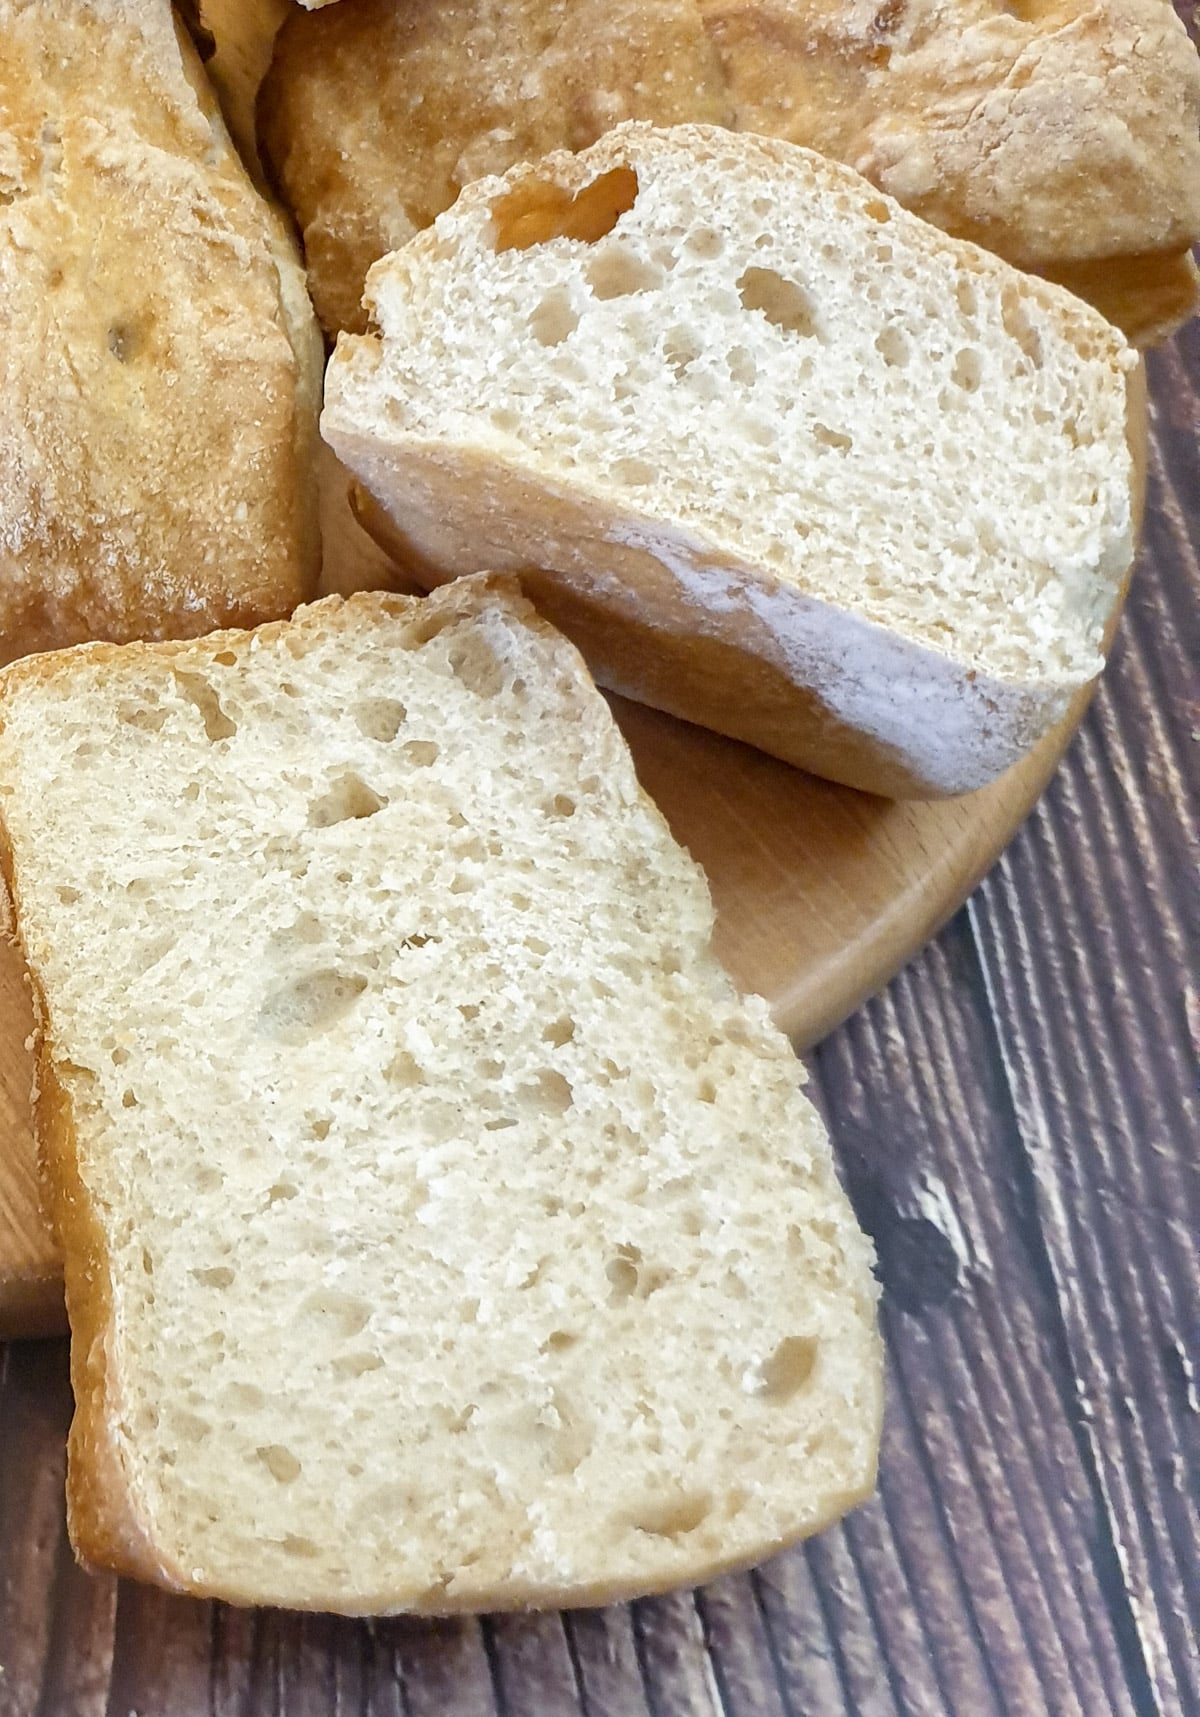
(1017, 1120)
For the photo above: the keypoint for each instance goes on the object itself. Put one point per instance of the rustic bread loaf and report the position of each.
(441, 1229)
(1064, 136)
(159, 360)
(781, 458)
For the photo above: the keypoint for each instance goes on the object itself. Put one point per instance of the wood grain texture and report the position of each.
(821, 893)
(1016, 1121)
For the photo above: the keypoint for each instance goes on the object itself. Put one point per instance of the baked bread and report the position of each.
(442, 1232)
(159, 360)
(1063, 135)
(781, 458)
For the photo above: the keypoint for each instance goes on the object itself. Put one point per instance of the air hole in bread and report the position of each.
(148, 719)
(346, 1314)
(968, 370)
(69, 896)
(245, 1397)
(786, 1371)
(548, 1094)
(705, 242)
(742, 368)
(623, 1271)
(476, 664)
(785, 303)
(892, 346)
(348, 799)
(129, 1099)
(196, 689)
(303, 1548)
(681, 348)
(558, 1341)
(282, 1191)
(421, 752)
(216, 1276)
(356, 1364)
(553, 318)
(280, 1462)
(617, 273)
(633, 473)
(826, 437)
(310, 1004)
(538, 210)
(877, 210)
(191, 1427)
(380, 718)
(967, 297)
(1018, 326)
(672, 1517)
(558, 1032)
(306, 928)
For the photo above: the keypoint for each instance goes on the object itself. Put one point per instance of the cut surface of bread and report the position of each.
(159, 359)
(1065, 137)
(783, 459)
(442, 1231)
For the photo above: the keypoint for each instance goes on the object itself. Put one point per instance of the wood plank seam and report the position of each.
(1108, 1554)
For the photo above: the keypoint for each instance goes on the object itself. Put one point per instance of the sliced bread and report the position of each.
(1062, 136)
(442, 1231)
(781, 458)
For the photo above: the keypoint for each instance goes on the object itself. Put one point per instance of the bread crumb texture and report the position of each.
(1056, 133)
(900, 464)
(159, 360)
(446, 1232)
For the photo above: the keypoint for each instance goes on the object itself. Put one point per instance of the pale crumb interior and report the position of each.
(798, 371)
(471, 1241)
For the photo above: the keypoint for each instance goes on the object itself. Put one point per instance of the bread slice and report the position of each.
(1064, 137)
(441, 1229)
(160, 364)
(781, 458)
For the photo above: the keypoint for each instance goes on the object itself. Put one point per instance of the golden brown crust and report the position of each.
(160, 370)
(103, 1526)
(1061, 136)
(985, 118)
(375, 114)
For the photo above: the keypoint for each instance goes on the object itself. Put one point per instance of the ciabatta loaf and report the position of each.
(441, 1229)
(781, 458)
(160, 363)
(1066, 137)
